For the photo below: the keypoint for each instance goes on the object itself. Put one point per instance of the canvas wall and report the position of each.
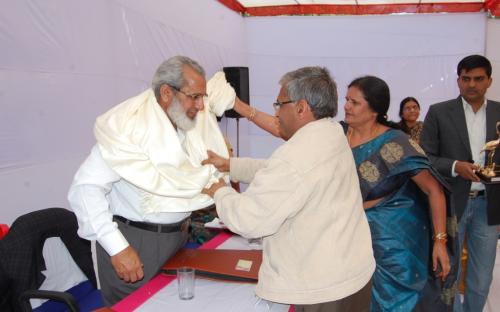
(415, 54)
(493, 54)
(65, 62)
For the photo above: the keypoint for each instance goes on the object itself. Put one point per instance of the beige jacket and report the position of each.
(305, 201)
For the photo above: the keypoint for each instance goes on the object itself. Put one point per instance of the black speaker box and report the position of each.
(238, 79)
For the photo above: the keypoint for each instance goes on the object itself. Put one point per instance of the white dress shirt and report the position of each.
(108, 195)
(476, 129)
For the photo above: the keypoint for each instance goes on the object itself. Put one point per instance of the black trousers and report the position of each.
(357, 302)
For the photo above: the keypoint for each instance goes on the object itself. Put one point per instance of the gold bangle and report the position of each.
(253, 112)
(440, 236)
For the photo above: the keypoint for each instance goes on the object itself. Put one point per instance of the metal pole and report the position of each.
(237, 137)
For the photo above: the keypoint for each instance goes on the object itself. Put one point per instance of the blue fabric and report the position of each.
(191, 245)
(400, 236)
(481, 246)
(400, 223)
(88, 297)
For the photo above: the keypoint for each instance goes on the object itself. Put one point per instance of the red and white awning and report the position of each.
(358, 7)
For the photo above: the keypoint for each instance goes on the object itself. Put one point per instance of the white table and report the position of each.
(160, 294)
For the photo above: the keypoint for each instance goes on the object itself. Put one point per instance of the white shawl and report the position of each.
(138, 141)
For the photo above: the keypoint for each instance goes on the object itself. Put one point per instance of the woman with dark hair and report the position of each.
(404, 201)
(409, 111)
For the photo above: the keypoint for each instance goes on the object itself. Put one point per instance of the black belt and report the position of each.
(474, 194)
(154, 227)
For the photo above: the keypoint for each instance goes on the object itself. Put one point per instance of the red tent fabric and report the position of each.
(493, 6)
(338, 9)
(4, 228)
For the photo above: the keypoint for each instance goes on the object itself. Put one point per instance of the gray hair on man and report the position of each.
(316, 86)
(171, 72)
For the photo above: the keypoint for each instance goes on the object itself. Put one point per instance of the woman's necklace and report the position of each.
(372, 135)
(410, 125)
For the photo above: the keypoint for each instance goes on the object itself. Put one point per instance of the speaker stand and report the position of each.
(237, 137)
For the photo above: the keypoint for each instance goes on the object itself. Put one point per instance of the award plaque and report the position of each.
(491, 172)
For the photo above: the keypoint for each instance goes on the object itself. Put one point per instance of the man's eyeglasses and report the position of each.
(278, 104)
(195, 96)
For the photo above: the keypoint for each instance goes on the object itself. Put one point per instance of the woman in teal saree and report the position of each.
(398, 187)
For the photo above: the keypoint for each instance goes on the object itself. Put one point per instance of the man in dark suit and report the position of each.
(454, 134)
(22, 261)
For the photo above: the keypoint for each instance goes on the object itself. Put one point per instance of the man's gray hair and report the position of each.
(316, 86)
(171, 72)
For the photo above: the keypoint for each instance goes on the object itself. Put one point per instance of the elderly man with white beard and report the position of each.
(136, 190)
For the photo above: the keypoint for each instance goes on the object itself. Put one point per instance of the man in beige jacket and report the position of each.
(305, 202)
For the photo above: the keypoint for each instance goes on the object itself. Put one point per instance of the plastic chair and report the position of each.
(4, 228)
(22, 260)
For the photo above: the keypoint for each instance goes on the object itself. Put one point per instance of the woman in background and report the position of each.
(409, 111)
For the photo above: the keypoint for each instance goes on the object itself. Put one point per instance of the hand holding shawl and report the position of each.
(138, 141)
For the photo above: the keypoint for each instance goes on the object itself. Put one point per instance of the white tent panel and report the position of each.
(417, 55)
(65, 62)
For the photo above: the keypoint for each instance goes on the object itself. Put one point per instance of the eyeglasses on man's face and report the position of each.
(194, 96)
(278, 104)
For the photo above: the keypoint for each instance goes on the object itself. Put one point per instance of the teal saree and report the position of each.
(400, 226)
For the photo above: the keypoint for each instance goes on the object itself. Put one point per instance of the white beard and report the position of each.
(178, 116)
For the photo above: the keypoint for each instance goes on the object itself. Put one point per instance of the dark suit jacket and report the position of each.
(21, 260)
(445, 139)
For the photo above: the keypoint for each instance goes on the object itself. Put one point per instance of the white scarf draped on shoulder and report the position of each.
(138, 141)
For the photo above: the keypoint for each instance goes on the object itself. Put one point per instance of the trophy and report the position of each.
(491, 172)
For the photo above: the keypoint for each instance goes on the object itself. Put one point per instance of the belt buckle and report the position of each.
(473, 194)
(185, 225)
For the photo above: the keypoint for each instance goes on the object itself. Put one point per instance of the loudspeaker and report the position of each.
(238, 79)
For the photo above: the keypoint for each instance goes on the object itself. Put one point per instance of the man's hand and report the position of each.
(128, 265)
(467, 170)
(213, 188)
(222, 164)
